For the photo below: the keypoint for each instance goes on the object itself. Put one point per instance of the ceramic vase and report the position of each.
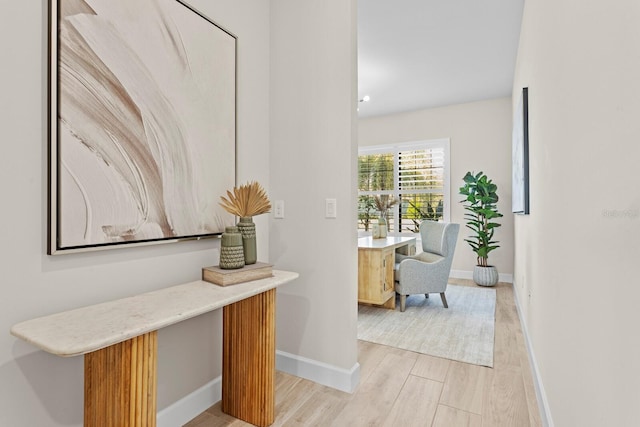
(485, 276)
(231, 249)
(248, 230)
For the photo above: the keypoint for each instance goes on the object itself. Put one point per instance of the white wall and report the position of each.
(313, 156)
(480, 140)
(576, 254)
(38, 389)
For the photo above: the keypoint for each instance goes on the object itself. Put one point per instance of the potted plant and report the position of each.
(383, 203)
(480, 203)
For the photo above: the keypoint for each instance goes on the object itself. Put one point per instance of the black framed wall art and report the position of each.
(142, 123)
(520, 155)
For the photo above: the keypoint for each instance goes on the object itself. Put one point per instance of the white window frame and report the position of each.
(443, 143)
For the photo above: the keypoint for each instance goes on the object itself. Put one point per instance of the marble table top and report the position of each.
(83, 330)
(388, 242)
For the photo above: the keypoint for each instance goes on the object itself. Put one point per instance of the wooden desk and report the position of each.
(119, 342)
(376, 260)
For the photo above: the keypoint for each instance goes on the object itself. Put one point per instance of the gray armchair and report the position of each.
(428, 271)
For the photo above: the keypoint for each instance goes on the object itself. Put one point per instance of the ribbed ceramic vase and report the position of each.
(485, 276)
(248, 230)
(231, 249)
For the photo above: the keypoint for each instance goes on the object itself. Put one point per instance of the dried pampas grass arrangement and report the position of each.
(247, 200)
(383, 202)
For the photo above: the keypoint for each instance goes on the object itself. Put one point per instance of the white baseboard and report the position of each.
(192, 405)
(463, 274)
(541, 395)
(319, 372)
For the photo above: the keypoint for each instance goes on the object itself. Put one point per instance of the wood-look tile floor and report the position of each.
(403, 388)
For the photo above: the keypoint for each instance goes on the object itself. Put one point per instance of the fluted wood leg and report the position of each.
(248, 359)
(120, 384)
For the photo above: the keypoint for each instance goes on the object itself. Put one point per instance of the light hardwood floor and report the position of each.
(403, 388)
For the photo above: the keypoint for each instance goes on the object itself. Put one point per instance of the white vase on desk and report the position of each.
(382, 224)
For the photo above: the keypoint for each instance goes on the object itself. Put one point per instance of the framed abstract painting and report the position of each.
(142, 122)
(520, 156)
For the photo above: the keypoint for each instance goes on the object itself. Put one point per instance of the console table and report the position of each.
(376, 261)
(119, 342)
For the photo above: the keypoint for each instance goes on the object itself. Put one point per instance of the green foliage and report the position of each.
(418, 212)
(366, 211)
(480, 203)
(375, 173)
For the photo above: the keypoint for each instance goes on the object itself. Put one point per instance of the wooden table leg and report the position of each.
(120, 384)
(248, 359)
(391, 302)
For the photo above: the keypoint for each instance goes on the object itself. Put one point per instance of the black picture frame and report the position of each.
(520, 156)
(142, 124)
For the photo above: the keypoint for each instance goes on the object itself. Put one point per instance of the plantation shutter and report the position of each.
(415, 174)
(421, 171)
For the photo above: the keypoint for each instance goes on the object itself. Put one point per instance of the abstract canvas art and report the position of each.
(142, 123)
(520, 156)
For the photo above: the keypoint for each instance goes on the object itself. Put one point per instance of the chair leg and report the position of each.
(403, 302)
(444, 300)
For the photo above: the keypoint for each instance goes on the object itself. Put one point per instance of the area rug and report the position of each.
(462, 332)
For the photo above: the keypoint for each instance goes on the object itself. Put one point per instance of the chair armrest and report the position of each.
(422, 277)
(414, 266)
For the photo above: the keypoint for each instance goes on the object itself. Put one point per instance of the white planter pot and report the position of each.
(485, 276)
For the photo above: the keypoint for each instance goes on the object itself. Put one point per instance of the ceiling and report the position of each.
(416, 54)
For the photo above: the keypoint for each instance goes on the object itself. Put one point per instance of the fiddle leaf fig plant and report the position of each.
(480, 203)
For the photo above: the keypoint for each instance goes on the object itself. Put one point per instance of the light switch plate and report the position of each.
(278, 211)
(331, 208)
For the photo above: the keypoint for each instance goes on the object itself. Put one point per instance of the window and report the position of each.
(415, 175)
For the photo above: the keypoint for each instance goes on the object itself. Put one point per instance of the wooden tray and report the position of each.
(222, 277)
